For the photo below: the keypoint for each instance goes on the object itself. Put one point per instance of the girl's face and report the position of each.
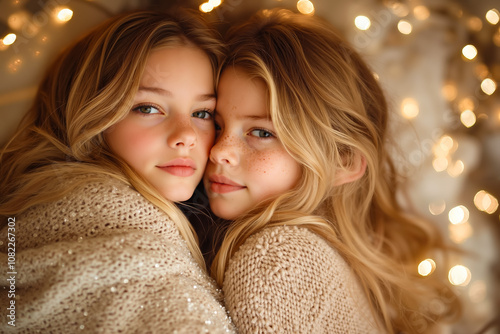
(167, 135)
(248, 163)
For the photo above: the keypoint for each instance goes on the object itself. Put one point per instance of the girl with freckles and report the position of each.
(317, 242)
(120, 130)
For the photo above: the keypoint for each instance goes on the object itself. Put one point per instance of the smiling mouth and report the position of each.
(222, 185)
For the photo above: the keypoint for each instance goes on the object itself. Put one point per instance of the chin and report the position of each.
(224, 214)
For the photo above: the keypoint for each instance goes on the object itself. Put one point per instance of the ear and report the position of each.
(356, 171)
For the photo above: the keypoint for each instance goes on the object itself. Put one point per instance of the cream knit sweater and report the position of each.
(289, 280)
(105, 260)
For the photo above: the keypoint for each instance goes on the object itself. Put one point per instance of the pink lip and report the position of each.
(179, 167)
(220, 184)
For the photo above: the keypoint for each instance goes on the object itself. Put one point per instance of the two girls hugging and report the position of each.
(287, 127)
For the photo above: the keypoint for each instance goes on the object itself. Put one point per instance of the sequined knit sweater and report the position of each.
(289, 280)
(103, 259)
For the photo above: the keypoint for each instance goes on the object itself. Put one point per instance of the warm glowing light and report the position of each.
(477, 291)
(362, 22)
(206, 7)
(493, 16)
(459, 233)
(449, 91)
(466, 104)
(468, 118)
(458, 215)
(488, 86)
(9, 39)
(456, 169)
(405, 27)
(421, 13)
(469, 51)
(409, 108)
(486, 202)
(446, 143)
(496, 38)
(215, 3)
(481, 71)
(475, 24)
(459, 275)
(17, 20)
(64, 15)
(305, 7)
(437, 208)
(400, 9)
(440, 164)
(426, 267)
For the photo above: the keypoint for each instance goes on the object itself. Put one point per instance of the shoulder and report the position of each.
(292, 280)
(288, 252)
(96, 206)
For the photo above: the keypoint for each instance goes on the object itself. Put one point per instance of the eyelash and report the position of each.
(147, 105)
(158, 108)
(271, 134)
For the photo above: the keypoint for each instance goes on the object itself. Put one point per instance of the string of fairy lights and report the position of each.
(467, 107)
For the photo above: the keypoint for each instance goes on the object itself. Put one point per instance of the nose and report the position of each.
(183, 134)
(225, 151)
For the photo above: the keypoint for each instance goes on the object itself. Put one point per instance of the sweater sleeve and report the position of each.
(289, 280)
(106, 260)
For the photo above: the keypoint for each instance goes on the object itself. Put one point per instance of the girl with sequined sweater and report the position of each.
(317, 241)
(119, 131)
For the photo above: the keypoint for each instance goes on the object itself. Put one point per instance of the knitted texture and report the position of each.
(289, 280)
(103, 259)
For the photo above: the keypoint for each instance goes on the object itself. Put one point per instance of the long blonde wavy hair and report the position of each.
(89, 88)
(327, 108)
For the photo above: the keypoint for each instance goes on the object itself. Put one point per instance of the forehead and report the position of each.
(240, 95)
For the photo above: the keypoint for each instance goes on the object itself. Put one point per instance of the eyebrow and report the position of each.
(257, 117)
(164, 92)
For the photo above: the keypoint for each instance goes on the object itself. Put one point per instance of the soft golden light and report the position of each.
(466, 104)
(440, 164)
(496, 38)
(426, 267)
(469, 51)
(437, 208)
(492, 16)
(215, 3)
(446, 143)
(488, 86)
(481, 71)
(477, 291)
(449, 91)
(305, 7)
(459, 233)
(485, 202)
(64, 15)
(456, 169)
(206, 7)
(405, 27)
(459, 275)
(409, 108)
(458, 215)
(421, 13)
(468, 118)
(362, 22)
(475, 23)
(9, 39)
(17, 20)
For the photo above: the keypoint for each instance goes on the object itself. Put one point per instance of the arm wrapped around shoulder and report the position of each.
(289, 280)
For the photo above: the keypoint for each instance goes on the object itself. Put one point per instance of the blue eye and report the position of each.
(260, 133)
(147, 110)
(203, 114)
